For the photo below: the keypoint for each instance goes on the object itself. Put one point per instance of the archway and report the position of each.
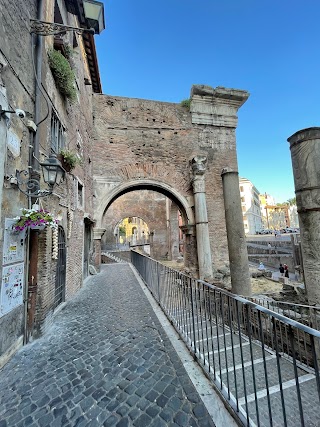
(152, 216)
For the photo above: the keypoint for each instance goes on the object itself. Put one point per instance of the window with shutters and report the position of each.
(57, 134)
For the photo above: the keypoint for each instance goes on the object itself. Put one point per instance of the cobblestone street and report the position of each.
(106, 361)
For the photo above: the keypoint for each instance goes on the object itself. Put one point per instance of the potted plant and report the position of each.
(68, 160)
(35, 218)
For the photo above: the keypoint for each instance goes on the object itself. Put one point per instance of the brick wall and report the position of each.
(138, 139)
(17, 84)
(147, 205)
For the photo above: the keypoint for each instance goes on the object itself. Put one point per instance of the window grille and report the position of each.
(57, 134)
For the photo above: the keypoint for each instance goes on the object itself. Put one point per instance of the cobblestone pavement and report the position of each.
(106, 361)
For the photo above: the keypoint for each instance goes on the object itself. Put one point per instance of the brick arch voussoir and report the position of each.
(109, 196)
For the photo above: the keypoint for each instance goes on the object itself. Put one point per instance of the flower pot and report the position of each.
(38, 227)
(65, 165)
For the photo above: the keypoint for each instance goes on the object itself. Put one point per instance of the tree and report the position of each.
(292, 201)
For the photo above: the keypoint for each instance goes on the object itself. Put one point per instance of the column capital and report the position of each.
(188, 229)
(199, 184)
(199, 164)
(97, 233)
(228, 170)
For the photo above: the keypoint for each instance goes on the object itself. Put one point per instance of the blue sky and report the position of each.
(271, 48)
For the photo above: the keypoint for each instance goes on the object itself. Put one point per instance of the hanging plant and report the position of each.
(62, 74)
(34, 218)
(69, 160)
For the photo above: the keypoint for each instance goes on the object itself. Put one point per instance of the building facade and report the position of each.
(40, 269)
(250, 205)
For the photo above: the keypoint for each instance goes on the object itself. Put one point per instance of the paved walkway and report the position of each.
(106, 361)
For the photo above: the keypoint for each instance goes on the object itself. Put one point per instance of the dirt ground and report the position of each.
(261, 285)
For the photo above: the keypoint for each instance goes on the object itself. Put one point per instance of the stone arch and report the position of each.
(108, 197)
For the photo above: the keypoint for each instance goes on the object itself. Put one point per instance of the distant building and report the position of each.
(274, 216)
(293, 215)
(250, 205)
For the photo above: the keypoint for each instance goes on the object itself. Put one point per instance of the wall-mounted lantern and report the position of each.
(94, 16)
(53, 173)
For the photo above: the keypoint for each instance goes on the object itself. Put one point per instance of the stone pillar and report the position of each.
(97, 235)
(237, 246)
(190, 248)
(305, 156)
(174, 231)
(151, 236)
(198, 164)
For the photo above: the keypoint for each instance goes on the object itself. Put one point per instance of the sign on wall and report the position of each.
(11, 292)
(11, 287)
(13, 244)
(13, 143)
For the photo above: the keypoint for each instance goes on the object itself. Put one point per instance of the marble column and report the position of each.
(305, 156)
(237, 246)
(97, 235)
(198, 164)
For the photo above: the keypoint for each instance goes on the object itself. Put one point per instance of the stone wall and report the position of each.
(17, 90)
(149, 144)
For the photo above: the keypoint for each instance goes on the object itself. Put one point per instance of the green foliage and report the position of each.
(70, 158)
(186, 103)
(122, 230)
(63, 74)
(68, 51)
(292, 201)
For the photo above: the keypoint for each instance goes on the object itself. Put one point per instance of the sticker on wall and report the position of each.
(13, 143)
(11, 287)
(13, 244)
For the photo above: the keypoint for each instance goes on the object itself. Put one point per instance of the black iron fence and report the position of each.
(264, 364)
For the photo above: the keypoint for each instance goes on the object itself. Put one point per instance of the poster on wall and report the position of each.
(13, 243)
(11, 287)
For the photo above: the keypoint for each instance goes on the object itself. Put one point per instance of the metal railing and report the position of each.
(264, 364)
(306, 314)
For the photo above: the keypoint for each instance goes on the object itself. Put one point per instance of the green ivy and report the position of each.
(62, 74)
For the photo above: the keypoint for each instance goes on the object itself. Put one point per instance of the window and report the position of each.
(80, 195)
(241, 189)
(243, 199)
(57, 134)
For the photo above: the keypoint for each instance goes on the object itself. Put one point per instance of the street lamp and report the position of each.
(52, 172)
(94, 16)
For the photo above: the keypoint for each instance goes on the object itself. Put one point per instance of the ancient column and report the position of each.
(151, 236)
(237, 246)
(305, 156)
(198, 164)
(97, 235)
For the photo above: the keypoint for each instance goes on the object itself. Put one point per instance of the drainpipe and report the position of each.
(34, 153)
(38, 66)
